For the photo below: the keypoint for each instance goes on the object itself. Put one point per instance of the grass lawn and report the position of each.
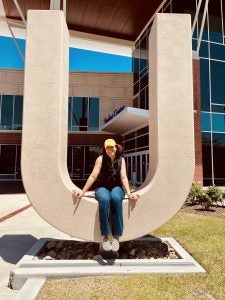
(202, 236)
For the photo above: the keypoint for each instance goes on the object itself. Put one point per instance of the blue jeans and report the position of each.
(110, 205)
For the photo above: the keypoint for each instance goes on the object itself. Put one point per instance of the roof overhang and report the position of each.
(128, 119)
(123, 20)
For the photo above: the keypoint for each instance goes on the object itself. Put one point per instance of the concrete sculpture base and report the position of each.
(28, 267)
(44, 139)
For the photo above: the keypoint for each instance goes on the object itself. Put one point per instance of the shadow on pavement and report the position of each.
(14, 247)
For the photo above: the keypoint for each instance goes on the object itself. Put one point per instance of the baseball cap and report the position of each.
(109, 143)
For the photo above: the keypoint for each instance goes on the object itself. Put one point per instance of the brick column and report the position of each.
(198, 175)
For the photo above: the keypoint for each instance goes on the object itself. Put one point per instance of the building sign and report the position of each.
(115, 113)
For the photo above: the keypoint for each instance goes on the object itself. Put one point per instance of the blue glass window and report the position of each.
(11, 111)
(204, 49)
(18, 113)
(205, 121)
(79, 113)
(69, 113)
(7, 112)
(195, 34)
(93, 123)
(204, 35)
(215, 37)
(217, 51)
(206, 158)
(135, 67)
(217, 82)
(204, 71)
(218, 122)
(83, 114)
(218, 108)
(144, 54)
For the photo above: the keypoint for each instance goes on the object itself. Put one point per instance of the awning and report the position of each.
(127, 120)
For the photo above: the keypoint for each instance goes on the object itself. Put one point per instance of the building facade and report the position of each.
(208, 83)
(91, 97)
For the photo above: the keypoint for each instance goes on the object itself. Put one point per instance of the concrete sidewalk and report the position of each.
(19, 230)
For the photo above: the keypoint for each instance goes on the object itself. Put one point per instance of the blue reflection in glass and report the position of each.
(219, 140)
(83, 114)
(204, 35)
(217, 51)
(218, 108)
(206, 158)
(194, 44)
(79, 114)
(205, 121)
(217, 81)
(204, 50)
(195, 34)
(204, 71)
(69, 113)
(18, 113)
(215, 37)
(93, 123)
(218, 122)
(6, 112)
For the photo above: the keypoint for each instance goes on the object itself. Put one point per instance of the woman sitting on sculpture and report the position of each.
(110, 172)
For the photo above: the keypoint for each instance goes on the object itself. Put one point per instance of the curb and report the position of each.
(30, 288)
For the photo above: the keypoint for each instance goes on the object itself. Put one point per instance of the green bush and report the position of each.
(205, 200)
(206, 197)
(223, 196)
(194, 193)
(215, 193)
(210, 196)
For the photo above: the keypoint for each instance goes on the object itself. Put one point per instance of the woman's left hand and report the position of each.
(133, 196)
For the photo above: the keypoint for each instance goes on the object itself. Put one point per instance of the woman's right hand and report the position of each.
(78, 193)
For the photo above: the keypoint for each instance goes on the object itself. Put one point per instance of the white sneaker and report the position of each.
(115, 244)
(106, 246)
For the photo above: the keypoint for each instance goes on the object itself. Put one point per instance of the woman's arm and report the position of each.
(91, 179)
(124, 180)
